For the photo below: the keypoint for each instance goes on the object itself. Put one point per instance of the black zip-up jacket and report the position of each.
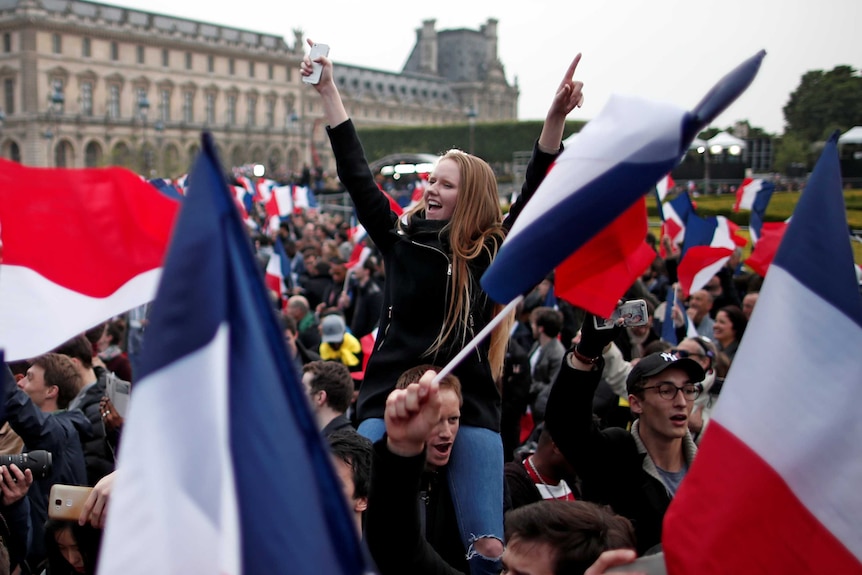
(415, 294)
(607, 461)
(408, 529)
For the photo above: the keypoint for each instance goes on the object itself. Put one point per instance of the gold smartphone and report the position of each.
(65, 502)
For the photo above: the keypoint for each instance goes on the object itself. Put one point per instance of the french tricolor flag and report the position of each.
(771, 234)
(263, 189)
(303, 198)
(664, 185)
(754, 195)
(77, 247)
(674, 214)
(709, 243)
(617, 158)
(222, 469)
(280, 203)
(277, 274)
(775, 486)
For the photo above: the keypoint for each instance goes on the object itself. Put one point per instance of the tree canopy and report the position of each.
(824, 102)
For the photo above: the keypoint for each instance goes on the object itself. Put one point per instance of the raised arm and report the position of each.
(372, 206)
(333, 107)
(569, 413)
(393, 527)
(568, 96)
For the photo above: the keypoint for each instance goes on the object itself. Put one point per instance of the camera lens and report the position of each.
(58, 502)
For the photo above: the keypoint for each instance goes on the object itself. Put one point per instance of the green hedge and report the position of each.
(494, 142)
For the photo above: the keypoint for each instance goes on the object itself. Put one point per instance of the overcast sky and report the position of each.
(670, 50)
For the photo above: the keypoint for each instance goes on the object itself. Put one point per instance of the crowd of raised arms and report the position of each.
(555, 448)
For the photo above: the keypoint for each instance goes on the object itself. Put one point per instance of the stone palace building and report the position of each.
(90, 84)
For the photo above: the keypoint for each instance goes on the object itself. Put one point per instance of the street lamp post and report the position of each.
(143, 110)
(705, 151)
(56, 99)
(471, 120)
(2, 124)
(159, 127)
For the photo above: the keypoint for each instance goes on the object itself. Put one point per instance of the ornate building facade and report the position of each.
(87, 84)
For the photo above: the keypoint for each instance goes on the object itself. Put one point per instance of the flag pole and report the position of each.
(468, 349)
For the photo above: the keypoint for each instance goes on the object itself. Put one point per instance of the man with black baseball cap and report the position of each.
(637, 472)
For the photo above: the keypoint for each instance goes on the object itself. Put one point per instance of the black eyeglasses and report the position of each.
(683, 353)
(690, 391)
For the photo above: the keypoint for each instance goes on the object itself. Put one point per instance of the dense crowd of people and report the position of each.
(555, 448)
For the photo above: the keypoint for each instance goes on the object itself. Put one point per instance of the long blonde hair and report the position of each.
(476, 227)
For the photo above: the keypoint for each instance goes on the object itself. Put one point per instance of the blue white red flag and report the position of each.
(709, 243)
(782, 452)
(280, 202)
(167, 187)
(278, 270)
(263, 189)
(79, 247)
(663, 186)
(754, 195)
(764, 252)
(222, 470)
(616, 159)
(674, 215)
(303, 198)
(668, 331)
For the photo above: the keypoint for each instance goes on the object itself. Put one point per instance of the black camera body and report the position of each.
(38, 462)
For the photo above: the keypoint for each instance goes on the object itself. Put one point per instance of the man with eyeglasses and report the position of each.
(636, 472)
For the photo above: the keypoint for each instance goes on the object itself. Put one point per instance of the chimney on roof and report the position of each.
(427, 39)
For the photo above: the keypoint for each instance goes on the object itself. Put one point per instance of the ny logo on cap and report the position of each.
(668, 356)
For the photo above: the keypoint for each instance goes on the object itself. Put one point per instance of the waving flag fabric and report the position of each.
(278, 270)
(674, 214)
(663, 186)
(263, 189)
(709, 243)
(280, 203)
(596, 276)
(78, 247)
(303, 198)
(617, 158)
(764, 252)
(223, 470)
(754, 195)
(787, 477)
(668, 331)
(167, 187)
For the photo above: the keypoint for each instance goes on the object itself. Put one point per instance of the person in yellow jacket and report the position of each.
(338, 345)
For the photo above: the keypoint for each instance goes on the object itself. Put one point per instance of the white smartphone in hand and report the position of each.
(317, 50)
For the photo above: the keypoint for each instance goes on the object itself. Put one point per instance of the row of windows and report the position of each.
(141, 104)
(140, 57)
(393, 89)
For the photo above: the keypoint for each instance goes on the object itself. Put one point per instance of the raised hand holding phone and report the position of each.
(317, 50)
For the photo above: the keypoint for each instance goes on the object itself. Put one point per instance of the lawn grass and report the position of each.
(780, 208)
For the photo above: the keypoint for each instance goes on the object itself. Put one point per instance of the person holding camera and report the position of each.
(637, 472)
(37, 410)
(433, 305)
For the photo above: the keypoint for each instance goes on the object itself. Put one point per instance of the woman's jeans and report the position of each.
(475, 475)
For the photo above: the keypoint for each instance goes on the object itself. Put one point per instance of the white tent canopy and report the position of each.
(851, 136)
(697, 143)
(726, 140)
